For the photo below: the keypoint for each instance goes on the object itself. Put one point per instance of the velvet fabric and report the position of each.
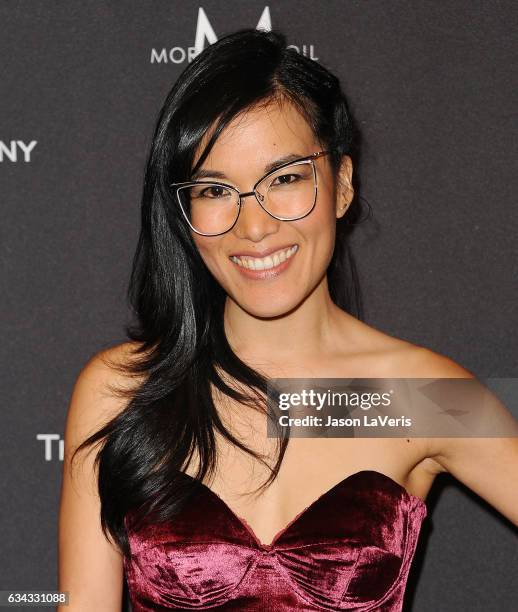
(351, 549)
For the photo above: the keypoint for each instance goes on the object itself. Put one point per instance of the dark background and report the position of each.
(430, 87)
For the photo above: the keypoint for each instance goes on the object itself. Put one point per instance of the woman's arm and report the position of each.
(90, 567)
(488, 466)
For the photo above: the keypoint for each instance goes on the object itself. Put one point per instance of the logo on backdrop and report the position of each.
(205, 33)
(53, 446)
(16, 150)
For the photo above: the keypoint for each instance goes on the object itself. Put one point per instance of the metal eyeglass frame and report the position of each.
(258, 196)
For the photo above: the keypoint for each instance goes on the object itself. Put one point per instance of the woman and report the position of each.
(242, 274)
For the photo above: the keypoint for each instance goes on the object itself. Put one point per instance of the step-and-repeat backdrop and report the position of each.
(430, 88)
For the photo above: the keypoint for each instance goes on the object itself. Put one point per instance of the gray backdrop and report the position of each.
(430, 87)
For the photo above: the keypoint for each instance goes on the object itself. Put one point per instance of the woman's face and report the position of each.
(243, 150)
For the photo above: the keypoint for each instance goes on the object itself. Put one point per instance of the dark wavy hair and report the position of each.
(179, 338)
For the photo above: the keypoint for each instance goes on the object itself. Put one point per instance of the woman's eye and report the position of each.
(213, 192)
(285, 179)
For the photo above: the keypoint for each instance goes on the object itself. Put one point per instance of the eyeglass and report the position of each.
(212, 208)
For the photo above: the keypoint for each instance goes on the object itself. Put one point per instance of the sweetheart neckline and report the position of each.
(243, 523)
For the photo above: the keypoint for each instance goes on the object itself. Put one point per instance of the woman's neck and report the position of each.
(315, 327)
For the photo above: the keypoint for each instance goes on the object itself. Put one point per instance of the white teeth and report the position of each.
(265, 263)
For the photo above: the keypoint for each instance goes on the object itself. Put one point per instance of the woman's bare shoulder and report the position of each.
(396, 357)
(415, 361)
(393, 357)
(110, 365)
(97, 386)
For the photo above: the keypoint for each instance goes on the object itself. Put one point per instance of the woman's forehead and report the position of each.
(259, 132)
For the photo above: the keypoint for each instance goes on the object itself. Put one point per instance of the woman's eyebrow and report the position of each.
(207, 173)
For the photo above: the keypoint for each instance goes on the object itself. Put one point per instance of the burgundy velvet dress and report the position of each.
(351, 549)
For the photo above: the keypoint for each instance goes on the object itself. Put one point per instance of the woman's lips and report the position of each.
(269, 273)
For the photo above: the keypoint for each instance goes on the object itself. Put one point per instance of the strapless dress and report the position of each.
(351, 549)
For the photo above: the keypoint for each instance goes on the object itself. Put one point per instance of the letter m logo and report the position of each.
(205, 32)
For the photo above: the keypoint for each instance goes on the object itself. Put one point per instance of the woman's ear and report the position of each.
(344, 187)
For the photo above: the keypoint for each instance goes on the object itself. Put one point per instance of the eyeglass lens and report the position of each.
(288, 194)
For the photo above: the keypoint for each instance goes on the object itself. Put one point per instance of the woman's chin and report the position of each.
(268, 309)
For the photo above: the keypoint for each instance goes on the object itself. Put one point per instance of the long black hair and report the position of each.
(180, 344)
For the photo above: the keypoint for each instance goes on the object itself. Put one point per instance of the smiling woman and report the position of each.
(246, 236)
(243, 273)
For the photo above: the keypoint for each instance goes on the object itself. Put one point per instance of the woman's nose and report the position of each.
(254, 222)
